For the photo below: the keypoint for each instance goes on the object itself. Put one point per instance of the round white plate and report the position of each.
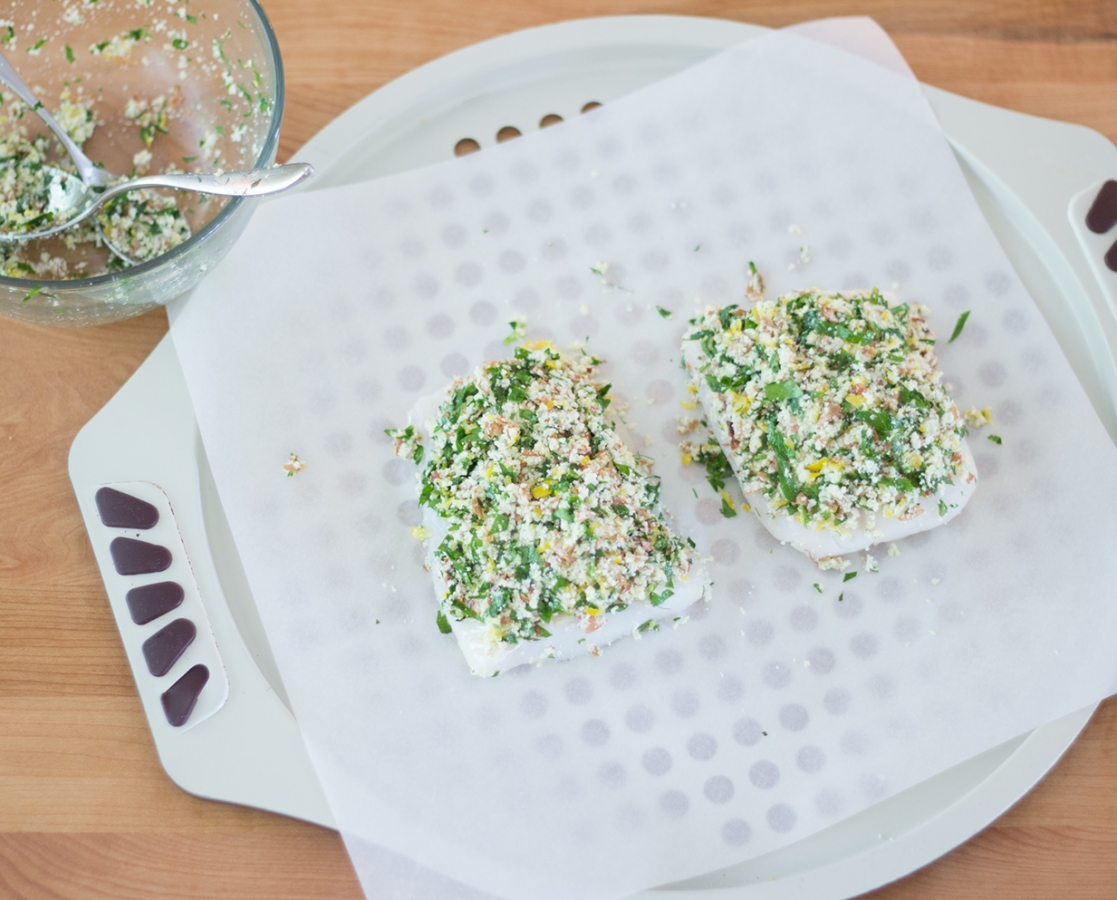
(516, 80)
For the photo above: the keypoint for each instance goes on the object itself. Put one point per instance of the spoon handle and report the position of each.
(88, 172)
(253, 183)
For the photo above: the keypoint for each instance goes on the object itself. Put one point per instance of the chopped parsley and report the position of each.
(849, 576)
(665, 313)
(958, 326)
(995, 438)
(408, 442)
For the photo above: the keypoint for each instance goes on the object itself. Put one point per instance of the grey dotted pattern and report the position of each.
(730, 689)
(578, 691)
(640, 718)
(656, 761)
(794, 717)
(747, 732)
(764, 774)
(837, 701)
(736, 832)
(810, 759)
(674, 804)
(702, 746)
(685, 704)
(595, 733)
(718, 789)
(781, 817)
(612, 775)
(777, 675)
(534, 705)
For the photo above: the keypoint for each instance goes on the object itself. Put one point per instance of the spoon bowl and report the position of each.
(65, 198)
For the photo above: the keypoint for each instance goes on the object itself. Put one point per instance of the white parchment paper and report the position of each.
(776, 710)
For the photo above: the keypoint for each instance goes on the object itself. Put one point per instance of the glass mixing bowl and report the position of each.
(219, 62)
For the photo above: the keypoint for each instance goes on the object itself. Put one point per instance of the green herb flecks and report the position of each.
(541, 499)
(408, 442)
(829, 399)
(958, 326)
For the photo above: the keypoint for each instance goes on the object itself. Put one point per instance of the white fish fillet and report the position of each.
(487, 656)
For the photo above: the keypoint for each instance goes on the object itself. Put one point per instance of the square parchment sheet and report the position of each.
(776, 710)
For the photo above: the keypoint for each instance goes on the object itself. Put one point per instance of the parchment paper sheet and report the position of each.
(776, 710)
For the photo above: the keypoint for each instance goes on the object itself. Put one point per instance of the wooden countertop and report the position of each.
(85, 809)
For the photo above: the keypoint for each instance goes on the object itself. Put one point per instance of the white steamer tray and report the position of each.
(1024, 171)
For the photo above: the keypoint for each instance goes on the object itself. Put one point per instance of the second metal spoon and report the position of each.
(71, 200)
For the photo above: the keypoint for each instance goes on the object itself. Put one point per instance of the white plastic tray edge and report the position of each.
(242, 754)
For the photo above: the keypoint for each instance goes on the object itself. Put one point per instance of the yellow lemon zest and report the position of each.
(855, 399)
(688, 404)
(538, 345)
(420, 533)
(687, 459)
(540, 491)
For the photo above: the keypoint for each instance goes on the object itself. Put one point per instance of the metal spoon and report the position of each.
(70, 201)
(90, 173)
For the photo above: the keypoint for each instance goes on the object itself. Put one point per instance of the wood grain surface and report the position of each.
(85, 809)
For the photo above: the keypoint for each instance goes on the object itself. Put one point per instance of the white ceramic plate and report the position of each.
(1024, 173)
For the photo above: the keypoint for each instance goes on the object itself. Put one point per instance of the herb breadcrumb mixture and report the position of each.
(174, 43)
(143, 224)
(548, 512)
(830, 404)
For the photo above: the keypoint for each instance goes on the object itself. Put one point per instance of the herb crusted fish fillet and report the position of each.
(830, 409)
(545, 532)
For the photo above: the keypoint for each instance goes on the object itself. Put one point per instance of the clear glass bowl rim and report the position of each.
(271, 142)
